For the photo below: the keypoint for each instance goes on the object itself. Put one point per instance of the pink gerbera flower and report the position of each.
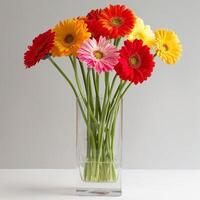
(99, 55)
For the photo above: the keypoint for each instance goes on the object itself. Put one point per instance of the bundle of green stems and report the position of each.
(100, 116)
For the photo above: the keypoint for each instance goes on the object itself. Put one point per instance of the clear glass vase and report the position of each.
(99, 150)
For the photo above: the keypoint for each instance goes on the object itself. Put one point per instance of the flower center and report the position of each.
(116, 21)
(69, 38)
(165, 47)
(98, 54)
(134, 62)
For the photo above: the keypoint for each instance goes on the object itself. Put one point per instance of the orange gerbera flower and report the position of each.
(69, 35)
(118, 20)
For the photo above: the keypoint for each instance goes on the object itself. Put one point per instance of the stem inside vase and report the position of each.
(102, 142)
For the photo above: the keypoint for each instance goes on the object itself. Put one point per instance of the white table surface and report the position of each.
(136, 184)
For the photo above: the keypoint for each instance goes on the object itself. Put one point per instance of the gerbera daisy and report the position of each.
(55, 52)
(69, 35)
(135, 62)
(39, 49)
(168, 46)
(99, 55)
(94, 25)
(118, 20)
(142, 32)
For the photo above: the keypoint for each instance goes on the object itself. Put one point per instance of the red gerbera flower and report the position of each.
(39, 49)
(136, 62)
(94, 25)
(118, 20)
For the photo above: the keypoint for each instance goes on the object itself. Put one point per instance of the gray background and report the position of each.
(37, 110)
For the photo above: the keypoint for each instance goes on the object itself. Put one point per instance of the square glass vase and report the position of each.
(98, 152)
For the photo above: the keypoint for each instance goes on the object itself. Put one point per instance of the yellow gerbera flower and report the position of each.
(69, 35)
(168, 46)
(142, 32)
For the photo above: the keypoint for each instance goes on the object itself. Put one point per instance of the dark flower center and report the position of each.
(98, 54)
(116, 21)
(69, 38)
(134, 62)
(166, 48)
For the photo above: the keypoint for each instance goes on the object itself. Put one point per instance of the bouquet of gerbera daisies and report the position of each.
(110, 43)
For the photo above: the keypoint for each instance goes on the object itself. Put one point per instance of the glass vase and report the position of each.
(99, 150)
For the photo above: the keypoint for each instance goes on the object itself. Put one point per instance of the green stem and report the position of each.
(113, 131)
(83, 74)
(113, 83)
(91, 94)
(73, 62)
(90, 134)
(117, 41)
(104, 111)
(70, 83)
(124, 92)
(117, 92)
(118, 99)
(115, 103)
(91, 108)
(99, 101)
(91, 140)
(96, 87)
(73, 88)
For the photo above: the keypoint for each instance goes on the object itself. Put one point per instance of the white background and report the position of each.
(37, 109)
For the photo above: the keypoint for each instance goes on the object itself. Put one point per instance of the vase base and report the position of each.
(98, 192)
